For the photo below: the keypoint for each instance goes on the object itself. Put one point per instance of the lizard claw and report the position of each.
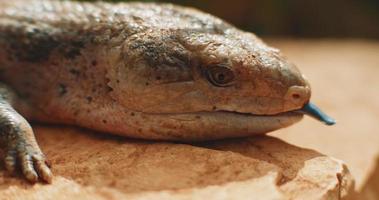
(22, 150)
(42, 167)
(33, 164)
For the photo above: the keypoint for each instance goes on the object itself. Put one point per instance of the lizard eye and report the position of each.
(220, 76)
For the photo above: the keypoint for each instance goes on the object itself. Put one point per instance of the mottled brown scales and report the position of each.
(142, 70)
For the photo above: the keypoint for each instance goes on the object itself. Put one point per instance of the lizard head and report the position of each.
(229, 77)
(247, 76)
(189, 71)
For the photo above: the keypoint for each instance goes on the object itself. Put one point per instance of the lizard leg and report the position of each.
(16, 135)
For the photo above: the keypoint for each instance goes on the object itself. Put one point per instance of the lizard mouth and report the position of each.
(308, 109)
(206, 125)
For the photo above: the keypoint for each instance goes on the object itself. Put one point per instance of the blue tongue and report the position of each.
(315, 112)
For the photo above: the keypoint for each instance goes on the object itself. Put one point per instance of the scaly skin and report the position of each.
(138, 70)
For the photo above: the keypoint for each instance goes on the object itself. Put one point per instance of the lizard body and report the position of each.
(151, 71)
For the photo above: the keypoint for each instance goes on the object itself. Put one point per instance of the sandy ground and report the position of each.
(90, 165)
(344, 77)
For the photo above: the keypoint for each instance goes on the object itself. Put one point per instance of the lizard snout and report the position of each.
(298, 96)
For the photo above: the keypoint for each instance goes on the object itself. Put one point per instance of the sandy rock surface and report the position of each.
(89, 165)
(370, 190)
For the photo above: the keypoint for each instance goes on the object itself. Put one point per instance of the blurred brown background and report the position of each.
(296, 18)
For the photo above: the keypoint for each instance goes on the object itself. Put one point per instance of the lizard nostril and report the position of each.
(298, 95)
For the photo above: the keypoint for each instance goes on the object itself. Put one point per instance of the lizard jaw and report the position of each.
(309, 109)
(187, 127)
(194, 126)
(200, 126)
